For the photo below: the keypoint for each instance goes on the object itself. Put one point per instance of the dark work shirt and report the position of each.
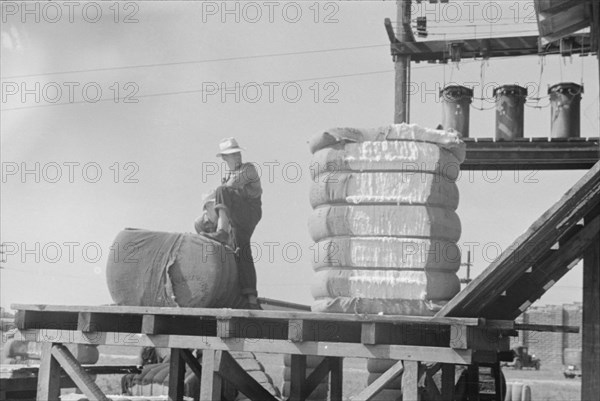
(246, 178)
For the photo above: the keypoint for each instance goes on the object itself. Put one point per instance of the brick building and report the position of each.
(547, 346)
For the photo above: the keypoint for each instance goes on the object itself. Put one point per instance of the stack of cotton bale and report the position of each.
(384, 219)
(384, 222)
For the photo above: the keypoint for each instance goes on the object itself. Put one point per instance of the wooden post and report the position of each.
(402, 108)
(410, 381)
(210, 385)
(448, 374)
(590, 369)
(595, 32)
(297, 377)
(176, 375)
(48, 388)
(337, 379)
(473, 382)
(496, 372)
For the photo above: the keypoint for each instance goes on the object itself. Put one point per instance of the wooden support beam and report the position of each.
(235, 327)
(191, 361)
(590, 385)
(413, 334)
(508, 326)
(176, 375)
(374, 388)
(438, 50)
(48, 388)
(232, 372)
(297, 377)
(448, 383)
(300, 330)
(93, 322)
(211, 384)
(547, 328)
(322, 348)
(410, 381)
(336, 378)
(525, 154)
(72, 368)
(73, 311)
(316, 377)
(479, 338)
(184, 325)
(31, 319)
(486, 356)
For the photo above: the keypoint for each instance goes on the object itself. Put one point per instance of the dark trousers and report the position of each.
(244, 214)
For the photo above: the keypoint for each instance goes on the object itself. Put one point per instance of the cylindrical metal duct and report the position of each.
(456, 100)
(510, 102)
(565, 101)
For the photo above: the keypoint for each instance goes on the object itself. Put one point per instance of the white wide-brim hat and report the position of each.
(229, 146)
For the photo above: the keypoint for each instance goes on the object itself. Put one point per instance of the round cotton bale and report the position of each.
(150, 268)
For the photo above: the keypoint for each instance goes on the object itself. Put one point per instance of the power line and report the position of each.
(196, 90)
(196, 61)
(116, 100)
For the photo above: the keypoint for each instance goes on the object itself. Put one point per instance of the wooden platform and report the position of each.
(447, 341)
(531, 154)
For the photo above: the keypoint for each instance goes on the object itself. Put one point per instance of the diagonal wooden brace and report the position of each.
(316, 377)
(220, 365)
(79, 376)
(48, 387)
(378, 385)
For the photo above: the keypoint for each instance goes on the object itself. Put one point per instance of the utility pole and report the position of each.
(402, 64)
(468, 264)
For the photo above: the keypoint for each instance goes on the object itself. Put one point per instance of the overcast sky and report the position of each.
(156, 156)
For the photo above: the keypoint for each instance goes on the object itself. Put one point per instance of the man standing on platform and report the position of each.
(239, 209)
